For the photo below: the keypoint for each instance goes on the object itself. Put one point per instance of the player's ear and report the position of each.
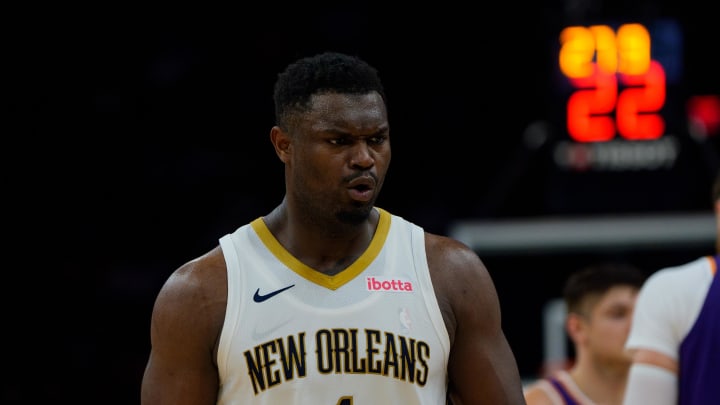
(281, 142)
(574, 326)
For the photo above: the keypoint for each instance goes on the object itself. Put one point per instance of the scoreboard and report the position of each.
(597, 60)
(618, 87)
(621, 136)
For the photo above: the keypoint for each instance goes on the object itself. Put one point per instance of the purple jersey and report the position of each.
(699, 357)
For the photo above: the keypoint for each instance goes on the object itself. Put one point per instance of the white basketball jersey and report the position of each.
(371, 334)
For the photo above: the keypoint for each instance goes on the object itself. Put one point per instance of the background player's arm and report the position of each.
(653, 374)
(652, 379)
(482, 367)
(186, 321)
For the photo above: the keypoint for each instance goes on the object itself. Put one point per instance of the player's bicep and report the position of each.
(482, 364)
(180, 368)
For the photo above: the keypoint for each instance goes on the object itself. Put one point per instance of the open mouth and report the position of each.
(361, 192)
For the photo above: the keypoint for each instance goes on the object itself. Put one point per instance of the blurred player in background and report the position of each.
(675, 335)
(599, 300)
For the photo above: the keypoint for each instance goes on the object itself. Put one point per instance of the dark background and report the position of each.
(136, 137)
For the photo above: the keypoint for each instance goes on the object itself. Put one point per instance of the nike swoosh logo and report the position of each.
(260, 298)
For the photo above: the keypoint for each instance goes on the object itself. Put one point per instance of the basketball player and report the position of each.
(599, 300)
(329, 299)
(675, 334)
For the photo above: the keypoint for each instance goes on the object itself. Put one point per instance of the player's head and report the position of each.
(584, 288)
(332, 134)
(600, 300)
(328, 72)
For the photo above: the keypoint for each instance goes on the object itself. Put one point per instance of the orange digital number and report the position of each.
(637, 106)
(589, 109)
(618, 88)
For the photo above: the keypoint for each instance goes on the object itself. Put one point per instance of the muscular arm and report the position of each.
(652, 379)
(186, 321)
(482, 367)
(663, 314)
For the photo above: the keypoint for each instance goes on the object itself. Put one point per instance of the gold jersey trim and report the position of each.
(335, 281)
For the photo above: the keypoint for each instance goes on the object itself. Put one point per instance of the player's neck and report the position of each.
(605, 385)
(327, 251)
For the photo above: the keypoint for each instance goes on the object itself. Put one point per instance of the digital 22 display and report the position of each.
(618, 89)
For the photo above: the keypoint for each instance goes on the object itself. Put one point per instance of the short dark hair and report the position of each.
(596, 279)
(716, 187)
(328, 72)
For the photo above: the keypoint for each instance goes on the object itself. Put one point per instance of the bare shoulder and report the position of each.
(194, 296)
(460, 279)
(535, 394)
(201, 278)
(454, 266)
(449, 252)
(186, 322)
(481, 363)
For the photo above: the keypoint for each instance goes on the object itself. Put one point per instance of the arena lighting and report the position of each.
(704, 115)
(577, 234)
